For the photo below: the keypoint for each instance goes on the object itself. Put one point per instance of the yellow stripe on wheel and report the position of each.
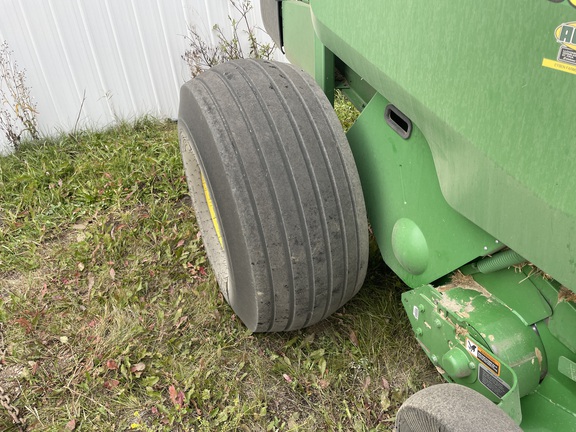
(212, 210)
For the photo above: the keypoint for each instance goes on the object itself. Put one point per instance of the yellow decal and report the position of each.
(565, 35)
(212, 210)
(553, 64)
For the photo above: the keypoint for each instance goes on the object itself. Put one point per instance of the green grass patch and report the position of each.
(113, 321)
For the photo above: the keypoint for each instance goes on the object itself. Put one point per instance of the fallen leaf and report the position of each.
(137, 369)
(177, 398)
(385, 401)
(71, 425)
(90, 283)
(25, 324)
(111, 364)
(181, 321)
(112, 273)
(110, 384)
(385, 384)
(353, 338)
(287, 377)
(366, 383)
(33, 367)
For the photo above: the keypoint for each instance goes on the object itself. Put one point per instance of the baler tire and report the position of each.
(276, 192)
(451, 408)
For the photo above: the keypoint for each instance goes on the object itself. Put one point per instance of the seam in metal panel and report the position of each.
(172, 68)
(31, 35)
(65, 50)
(94, 57)
(209, 20)
(146, 59)
(121, 57)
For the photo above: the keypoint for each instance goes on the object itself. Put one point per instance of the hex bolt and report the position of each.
(418, 331)
(472, 365)
(421, 308)
(437, 323)
(434, 359)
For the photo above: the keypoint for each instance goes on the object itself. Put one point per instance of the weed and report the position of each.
(243, 44)
(17, 110)
(347, 113)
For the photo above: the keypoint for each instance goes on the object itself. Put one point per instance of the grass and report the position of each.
(113, 321)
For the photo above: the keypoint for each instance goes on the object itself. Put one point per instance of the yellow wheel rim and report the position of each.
(212, 210)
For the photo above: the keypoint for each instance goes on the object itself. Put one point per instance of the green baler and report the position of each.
(461, 159)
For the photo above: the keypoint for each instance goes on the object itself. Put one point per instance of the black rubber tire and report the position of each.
(286, 194)
(452, 408)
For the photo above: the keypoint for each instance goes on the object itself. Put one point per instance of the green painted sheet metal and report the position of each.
(563, 323)
(537, 365)
(421, 237)
(461, 354)
(518, 292)
(298, 34)
(501, 126)
(552, 406)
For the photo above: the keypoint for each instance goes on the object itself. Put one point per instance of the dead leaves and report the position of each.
(176, 397)
(137, 369)
(111, 384)
(353, 338)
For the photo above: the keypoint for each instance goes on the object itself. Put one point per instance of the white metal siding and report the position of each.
(124, 55)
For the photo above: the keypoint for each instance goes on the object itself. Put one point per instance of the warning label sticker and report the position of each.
(493, 383)
(483, 356)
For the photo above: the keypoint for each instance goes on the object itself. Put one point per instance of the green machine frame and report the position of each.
(465, 146)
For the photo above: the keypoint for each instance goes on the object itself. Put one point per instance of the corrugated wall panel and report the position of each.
(122, 56)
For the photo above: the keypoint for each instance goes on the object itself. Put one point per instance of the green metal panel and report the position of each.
(552, 406)
(500, 125)
(563, 323)
(298, 35)
(304, 48)
(519, 293)
(421, 237)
